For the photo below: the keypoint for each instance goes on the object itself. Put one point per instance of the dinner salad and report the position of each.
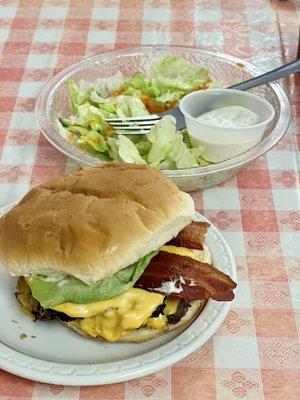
(141, 94)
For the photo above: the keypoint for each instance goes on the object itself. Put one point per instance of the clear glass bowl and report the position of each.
(53, 102)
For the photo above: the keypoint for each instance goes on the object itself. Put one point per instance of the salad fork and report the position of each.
(143, 124)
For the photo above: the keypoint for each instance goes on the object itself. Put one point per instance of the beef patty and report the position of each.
(33, 307)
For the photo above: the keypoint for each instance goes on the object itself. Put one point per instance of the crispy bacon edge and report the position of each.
(191, 279)
(192, 236)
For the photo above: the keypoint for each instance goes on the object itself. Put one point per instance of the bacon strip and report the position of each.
(192, 236)
(192, 279)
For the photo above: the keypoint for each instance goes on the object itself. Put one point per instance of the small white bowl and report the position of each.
(223, 143)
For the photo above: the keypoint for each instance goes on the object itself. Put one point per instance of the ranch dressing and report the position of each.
(236, 123)
(230, 117)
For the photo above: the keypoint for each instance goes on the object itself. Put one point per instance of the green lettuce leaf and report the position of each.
(179, 69)
(186, 138)
(106, 86)
(119, 106)
(169, 96)
(90, 117)
(62, 130)
(131, 91)
(128, 152)
(162, 136)
(78, 130)
(170, 79)
(80, 93)
(143, 146)
(167, 164)
(170, 149)
(51, 292)
(142, 82)
(93, 143)
(180, 154)
(113, 150)
(105, 105)
(127, 106)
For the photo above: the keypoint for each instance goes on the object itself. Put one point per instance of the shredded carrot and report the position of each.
(152, 106)
(204, 85)
(95, 139)
(144, 97)
(117, 92)
(109, 131)
(156, 107)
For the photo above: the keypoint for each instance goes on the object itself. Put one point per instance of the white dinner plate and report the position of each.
(49, 352)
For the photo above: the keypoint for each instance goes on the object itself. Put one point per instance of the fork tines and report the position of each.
(134, 125)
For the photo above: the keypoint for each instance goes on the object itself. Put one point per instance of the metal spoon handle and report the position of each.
(270, 76)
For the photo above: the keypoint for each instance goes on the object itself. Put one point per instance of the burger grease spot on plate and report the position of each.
(23, 336)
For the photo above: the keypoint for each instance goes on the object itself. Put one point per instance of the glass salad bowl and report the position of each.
(53, 103)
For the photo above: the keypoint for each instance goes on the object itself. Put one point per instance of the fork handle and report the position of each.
(284, 70)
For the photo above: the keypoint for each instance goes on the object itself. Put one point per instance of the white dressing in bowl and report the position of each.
(230, 117)
(225, 122)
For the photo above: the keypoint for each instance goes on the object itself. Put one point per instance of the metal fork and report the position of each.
(142, 125)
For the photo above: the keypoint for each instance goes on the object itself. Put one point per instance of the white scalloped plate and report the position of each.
(54, 354)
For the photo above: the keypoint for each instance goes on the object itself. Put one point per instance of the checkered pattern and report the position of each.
(255, 354)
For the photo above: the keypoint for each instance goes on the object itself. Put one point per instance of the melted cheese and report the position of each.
(171, 306)
(136, 300)
(130, 313)
(159, 323)
(200, 255)
(112, 318)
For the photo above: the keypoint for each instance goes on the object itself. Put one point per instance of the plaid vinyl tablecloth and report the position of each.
(255, 354)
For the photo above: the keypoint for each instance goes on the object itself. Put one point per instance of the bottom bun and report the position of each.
(144, 334)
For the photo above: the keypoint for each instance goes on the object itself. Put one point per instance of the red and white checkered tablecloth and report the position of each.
(255, 354)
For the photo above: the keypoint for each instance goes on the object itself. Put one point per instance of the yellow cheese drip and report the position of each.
(110, 318)
(161, 321)
(136, 299)
(171, 306)
(157, 323)
(200, 255)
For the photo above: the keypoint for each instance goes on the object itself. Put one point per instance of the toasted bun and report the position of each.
(93, 223)
(144, 334)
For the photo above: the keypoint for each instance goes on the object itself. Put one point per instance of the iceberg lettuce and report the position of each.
(169, 150)
(93, 143)
(170, 79)
(105, 87)
(119, 106)
(51, 292)
(128, 152)
(119, 97)
(80, 93)
(162, 136)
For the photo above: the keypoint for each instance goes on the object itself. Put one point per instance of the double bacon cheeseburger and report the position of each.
(112, 252)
